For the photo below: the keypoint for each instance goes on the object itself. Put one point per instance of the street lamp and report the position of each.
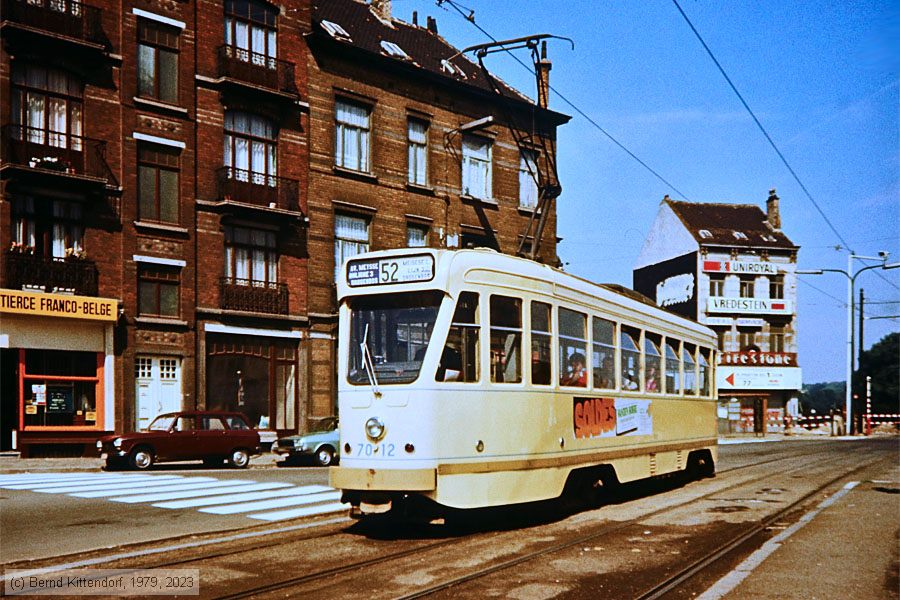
(851, 281)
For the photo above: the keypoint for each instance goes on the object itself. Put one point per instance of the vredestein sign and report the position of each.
(761, 306)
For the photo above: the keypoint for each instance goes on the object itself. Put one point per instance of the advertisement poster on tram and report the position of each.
(611, 417)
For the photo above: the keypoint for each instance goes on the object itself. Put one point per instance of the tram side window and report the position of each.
(604, 354)
(506, 339)
(631, 357)
(572, 348)
(673, 367)
(705, 371)
(459, 359)
(652, 362)
(541, 337)
(688, 352)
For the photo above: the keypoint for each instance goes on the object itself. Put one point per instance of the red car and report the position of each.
(212, 437)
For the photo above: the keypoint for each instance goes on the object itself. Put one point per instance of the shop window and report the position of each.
(541, 343)
(604, 354)
(506, 339)
(417, 136)
(352, 129)
(60, 388)
(158, 291)
(158, 61)
(158, 183)
(572, 348)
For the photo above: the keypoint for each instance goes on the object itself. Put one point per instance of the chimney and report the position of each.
(431, 25)
(773, 215)
(382, 8)
(544, 67)
(416, 18)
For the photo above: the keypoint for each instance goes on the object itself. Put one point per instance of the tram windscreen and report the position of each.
(397, 329)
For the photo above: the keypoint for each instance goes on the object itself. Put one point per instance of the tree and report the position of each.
(882, 363)
(822, 397)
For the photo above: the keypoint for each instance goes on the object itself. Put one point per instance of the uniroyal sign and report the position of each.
(765, 306)
(754, 359)
(740, 267)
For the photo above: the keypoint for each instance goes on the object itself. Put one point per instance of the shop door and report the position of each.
(158, 387)
(9, 397)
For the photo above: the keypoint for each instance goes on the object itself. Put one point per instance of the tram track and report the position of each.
(295, 582)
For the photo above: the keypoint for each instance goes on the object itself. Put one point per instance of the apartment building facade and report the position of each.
(180, 179)
(731, 267)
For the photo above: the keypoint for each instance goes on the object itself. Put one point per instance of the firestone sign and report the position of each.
(781, 359)
(749, 305)
(740, 267)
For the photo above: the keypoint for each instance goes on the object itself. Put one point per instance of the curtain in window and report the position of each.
(351, 237)
(56, 124)
(416, 237)
(528, 192)
(418, 144)
(35, 118)
(352, 136)
(476, 176)
(258, 37)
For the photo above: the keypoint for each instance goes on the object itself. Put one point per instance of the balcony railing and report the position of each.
(253, 296)
(55, 151)
(249, 187)
(74, 275)
(63, 17)
(257, 69)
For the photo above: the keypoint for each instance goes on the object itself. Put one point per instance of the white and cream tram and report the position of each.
(472, 379)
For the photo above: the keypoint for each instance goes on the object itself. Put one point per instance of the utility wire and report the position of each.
(769, 139)
(470, 17)
(842, 303)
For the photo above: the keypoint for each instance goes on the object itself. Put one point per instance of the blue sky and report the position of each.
(821, 76)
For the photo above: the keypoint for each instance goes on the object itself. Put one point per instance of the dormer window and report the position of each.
(450, 68)
(768, 238)
(392, 49)
(336, 31)
(739, 235)
(705, 234)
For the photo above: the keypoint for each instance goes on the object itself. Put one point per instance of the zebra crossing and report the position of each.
(264, 501)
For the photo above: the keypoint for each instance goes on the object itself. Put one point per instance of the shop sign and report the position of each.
(726, 321)
(748, 322)
(758, 378)
(61, 399)
(749, 305)
(740, 267)
(56, 305)
(386, 271)
(752, 359)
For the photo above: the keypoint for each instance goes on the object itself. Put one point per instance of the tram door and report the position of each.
(158, 388)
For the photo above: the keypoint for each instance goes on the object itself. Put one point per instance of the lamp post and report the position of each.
(851, 281)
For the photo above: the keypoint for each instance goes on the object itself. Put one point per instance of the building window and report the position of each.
(158, 61)
(251, 256)
(747, 288)
(351, 237)
(776, 287)
(251, 145)
(53, 229)
(416, 236)
(528, 173)
(716, 286)
(417, 136)
(47, 107)
(747, 340)
(158, 192)
(722, 337)
(476, 167)
(250, 32)
(352, 127)
(776, 339)
(158, 291)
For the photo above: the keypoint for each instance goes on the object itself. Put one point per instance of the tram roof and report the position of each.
(447, 261)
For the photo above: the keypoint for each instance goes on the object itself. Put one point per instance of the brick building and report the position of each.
(178, 178)
(731, 267)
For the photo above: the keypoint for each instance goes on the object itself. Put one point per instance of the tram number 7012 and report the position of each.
(386, 450)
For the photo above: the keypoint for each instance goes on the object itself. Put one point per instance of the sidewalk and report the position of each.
(11, 463)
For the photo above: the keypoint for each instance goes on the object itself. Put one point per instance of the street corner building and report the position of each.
(182, 180)
(732, 268)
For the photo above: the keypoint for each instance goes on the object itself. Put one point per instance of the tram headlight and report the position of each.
(375, 429)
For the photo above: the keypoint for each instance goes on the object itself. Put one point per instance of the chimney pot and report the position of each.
(431, 24)
(416, 18)
(544, 67)
(773, 213)
(382, 8)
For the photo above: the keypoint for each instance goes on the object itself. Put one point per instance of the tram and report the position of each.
(470, 379)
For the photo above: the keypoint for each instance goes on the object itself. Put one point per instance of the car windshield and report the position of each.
(161, 423)
(397, 329)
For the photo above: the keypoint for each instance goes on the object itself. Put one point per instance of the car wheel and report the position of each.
(141, 458)
(325, 456)
(239, 458)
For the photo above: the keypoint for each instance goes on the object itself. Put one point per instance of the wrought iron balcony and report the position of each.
(258, 189)
(257, 69)
(253, 296)
(62, 17)
(62, 153)
(28, 271)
